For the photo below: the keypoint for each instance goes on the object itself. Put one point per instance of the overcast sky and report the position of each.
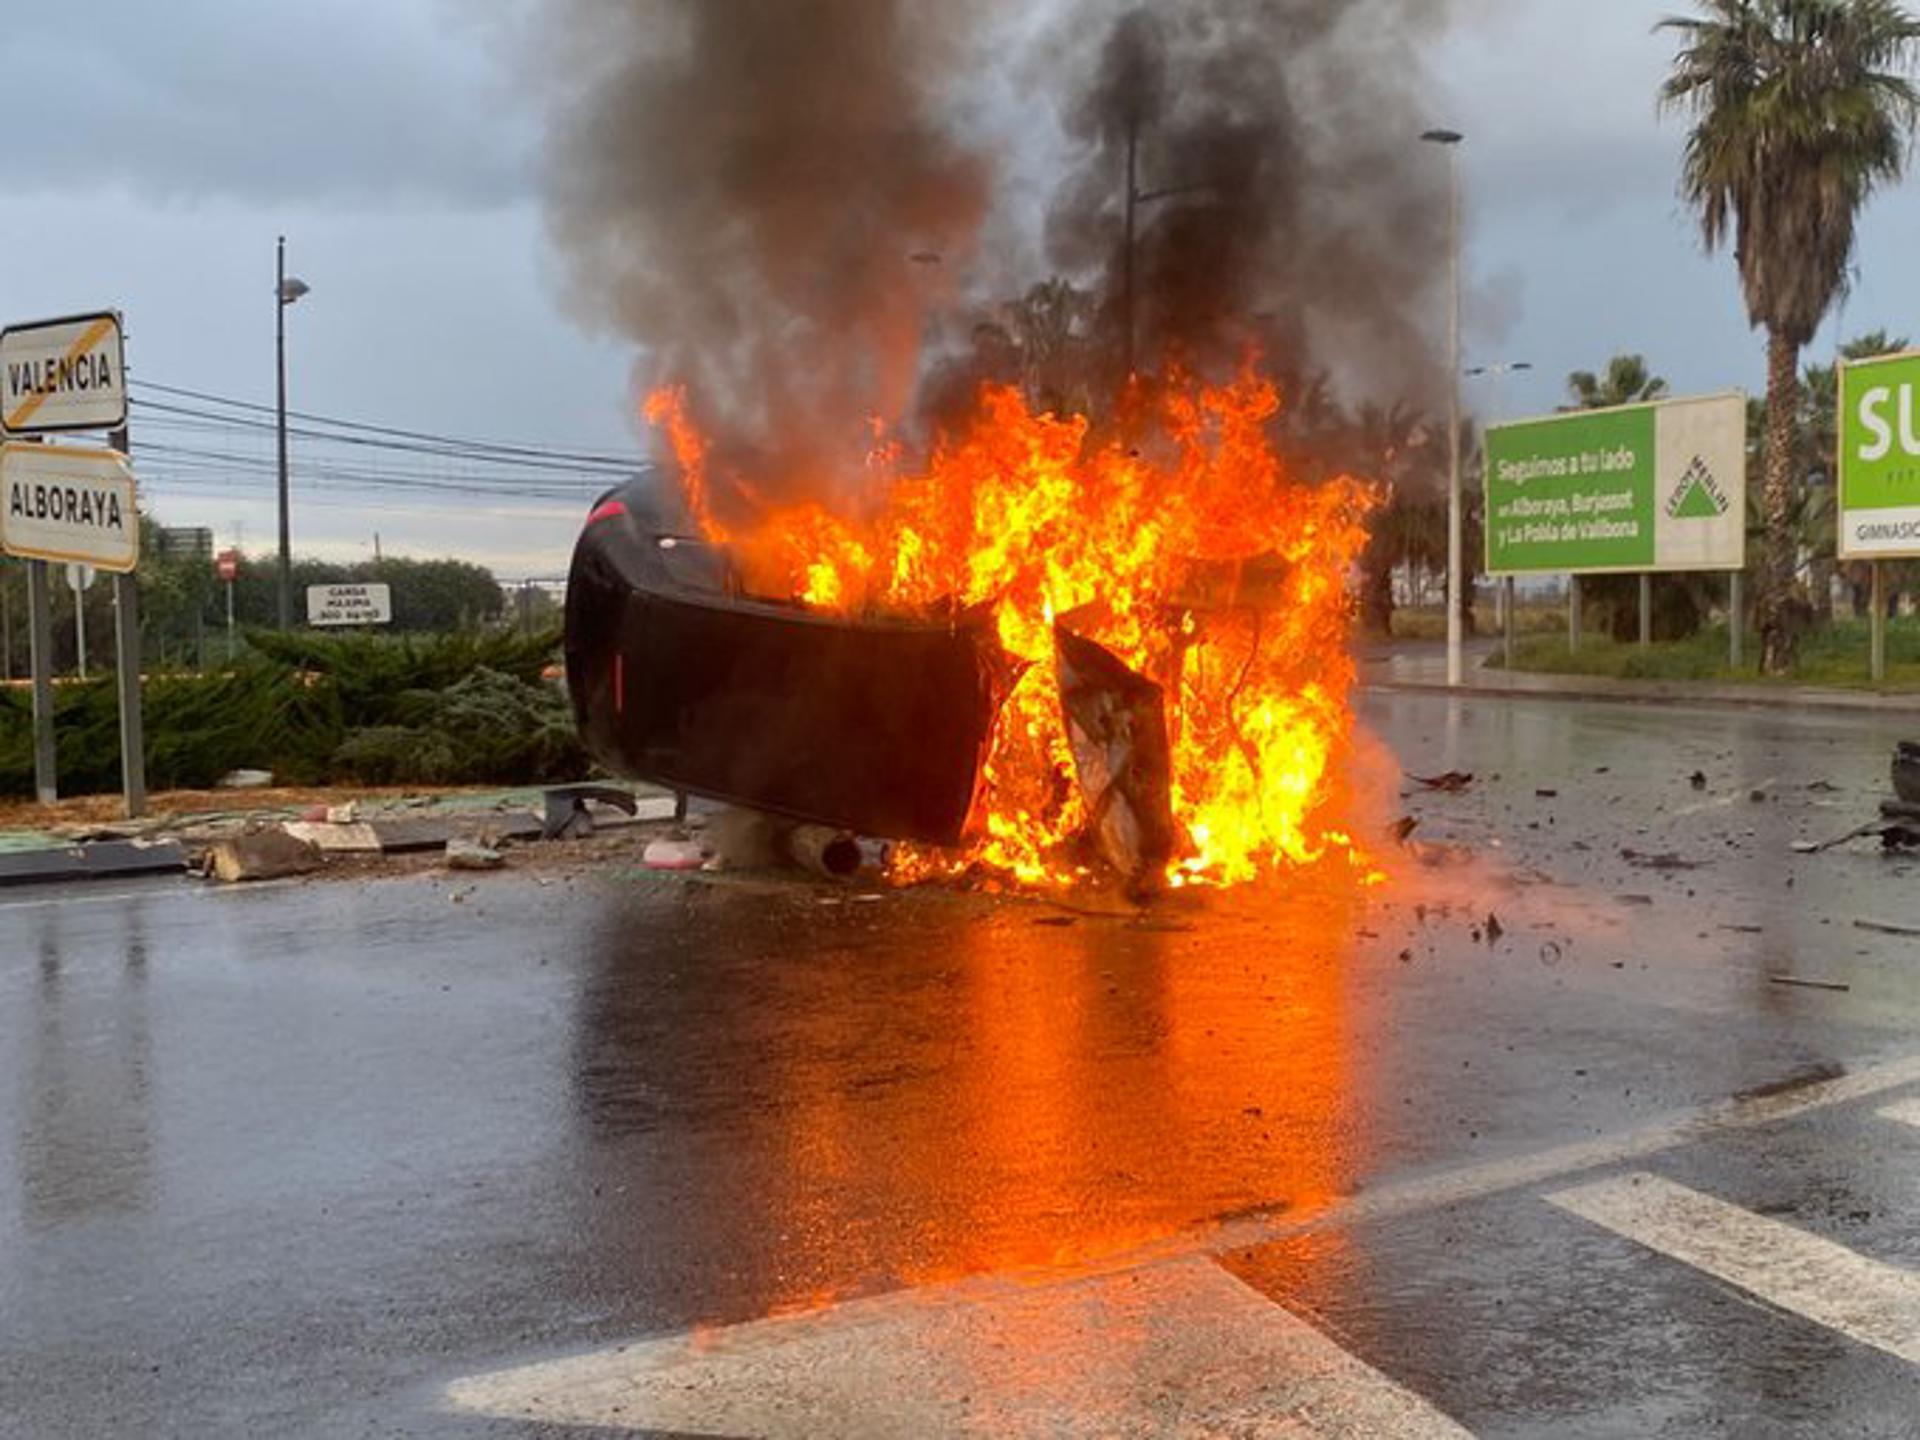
(155, 151)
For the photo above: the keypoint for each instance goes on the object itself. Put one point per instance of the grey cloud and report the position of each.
(345, 102)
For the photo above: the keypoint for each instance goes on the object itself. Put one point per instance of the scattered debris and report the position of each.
(1822, 787)
(673, 855)
(356, 838)
(1494, 929)
(245, 780)
(829, 853)
(1666, 860)
(1801, 982)
(1404, 827)
(270, 854)
(1757, 795)
(1451, 783)
(1698, 779)
(463, 854)
(1546, 794)
(567, 816)
(1634, 899)
(1906, 771)
(1887, 927)
(1746, 929)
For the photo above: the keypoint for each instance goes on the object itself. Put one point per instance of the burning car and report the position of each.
(680, 677)
(1046, 654)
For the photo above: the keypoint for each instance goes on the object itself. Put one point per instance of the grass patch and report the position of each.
(1429, 622)
(1835, 657)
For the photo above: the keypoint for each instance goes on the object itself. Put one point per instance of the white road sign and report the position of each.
(60, 502)
(349, 604)
(63, 375)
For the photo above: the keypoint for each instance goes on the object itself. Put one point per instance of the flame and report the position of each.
(1189, 553)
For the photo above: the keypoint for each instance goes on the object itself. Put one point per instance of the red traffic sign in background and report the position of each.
(227, 564)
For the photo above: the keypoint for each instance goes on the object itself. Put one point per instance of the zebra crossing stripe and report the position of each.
(1176, 1348)
(1907, 1112)
(1866, 1300)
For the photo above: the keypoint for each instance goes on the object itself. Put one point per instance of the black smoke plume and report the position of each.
(1281, 192)
(766, 195)
(777, 199)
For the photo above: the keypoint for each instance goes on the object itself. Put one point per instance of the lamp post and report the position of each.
(1451, 140)
(1498, 373)
(286, 290)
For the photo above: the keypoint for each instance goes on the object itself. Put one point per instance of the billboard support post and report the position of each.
(40, 644)
(1506, 591)
(1646, 610)
(1877, 667)
(1736, 614)
(1573, 614)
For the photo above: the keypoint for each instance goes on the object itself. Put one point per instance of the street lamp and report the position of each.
(1499, 373)
(1451, 139)
(286, 290)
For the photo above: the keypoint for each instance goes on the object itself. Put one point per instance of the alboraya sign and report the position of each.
(61, 502)
(66, 374)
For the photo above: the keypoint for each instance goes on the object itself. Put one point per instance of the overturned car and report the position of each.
(680, 678)
(877, 726)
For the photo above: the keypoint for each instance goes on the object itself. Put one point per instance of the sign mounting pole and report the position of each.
(40, 646)
(126, 665)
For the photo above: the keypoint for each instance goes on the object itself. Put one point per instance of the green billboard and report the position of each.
(1880, 458)
(1639, 488)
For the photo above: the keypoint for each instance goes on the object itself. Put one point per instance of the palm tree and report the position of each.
(1800, 113)
(1627, 382)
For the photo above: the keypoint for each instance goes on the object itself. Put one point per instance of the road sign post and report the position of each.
(40, 655)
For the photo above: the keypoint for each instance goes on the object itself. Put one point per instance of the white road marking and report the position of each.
(1178, 1348)
(1474, 1182)
(804, 1355)
(1866, 1300)
(1907, 1112)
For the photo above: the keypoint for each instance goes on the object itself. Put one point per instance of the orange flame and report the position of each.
(1191, 555)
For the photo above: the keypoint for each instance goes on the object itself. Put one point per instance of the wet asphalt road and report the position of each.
(293, 1160)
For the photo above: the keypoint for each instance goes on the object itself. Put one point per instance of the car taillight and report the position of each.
(607, 510)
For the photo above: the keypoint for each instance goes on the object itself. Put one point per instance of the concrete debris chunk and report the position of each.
(270, 854)
(464, 854)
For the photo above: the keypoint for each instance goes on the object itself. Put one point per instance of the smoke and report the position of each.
(783, 202)
(1281, 192)
(767, 196)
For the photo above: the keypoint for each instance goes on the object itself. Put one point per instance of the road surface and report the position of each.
(523, 1155)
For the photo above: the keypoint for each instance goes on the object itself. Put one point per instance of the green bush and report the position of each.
(463, 709)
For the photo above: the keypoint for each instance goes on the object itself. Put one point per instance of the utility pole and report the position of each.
(1126, 259)
(285, 291)
(1455, 550)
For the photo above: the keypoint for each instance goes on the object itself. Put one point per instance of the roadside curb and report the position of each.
(120, 857)
(1719, 697)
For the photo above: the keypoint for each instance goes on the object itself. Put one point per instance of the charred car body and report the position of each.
(873, 726)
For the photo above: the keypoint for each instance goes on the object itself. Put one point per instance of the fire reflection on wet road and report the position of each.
(949, 1087)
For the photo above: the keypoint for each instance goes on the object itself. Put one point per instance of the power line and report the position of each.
(468, 446)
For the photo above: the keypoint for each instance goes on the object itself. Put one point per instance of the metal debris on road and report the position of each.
(1801, 982)
(1887, 927)
(1451, 783)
